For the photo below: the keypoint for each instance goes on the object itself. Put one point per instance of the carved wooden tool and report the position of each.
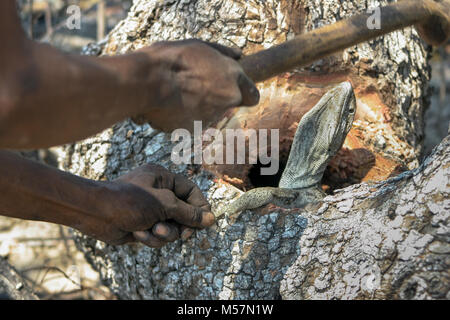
(430, 17)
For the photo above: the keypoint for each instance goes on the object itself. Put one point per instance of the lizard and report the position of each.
(319, 136)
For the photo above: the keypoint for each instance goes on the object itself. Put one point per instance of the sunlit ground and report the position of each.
(47, 259)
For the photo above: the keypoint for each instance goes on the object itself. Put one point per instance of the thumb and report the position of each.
(249, 92)
(148, 239)
(191, 216)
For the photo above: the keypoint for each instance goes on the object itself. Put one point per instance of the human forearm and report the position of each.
(29, 190)
(149, 204)
(55, 98)
(59, 98)
(48, 97)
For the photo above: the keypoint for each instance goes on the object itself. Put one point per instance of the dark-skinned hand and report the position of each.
(197, 81)
(155, 207)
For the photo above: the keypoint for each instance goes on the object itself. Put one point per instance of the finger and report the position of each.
(234, 53)
(166, 231)
(250, 94)
(191, 216)
(178, 231)
(186, 232)
(148, 239)
(189, 192)
(128, 238)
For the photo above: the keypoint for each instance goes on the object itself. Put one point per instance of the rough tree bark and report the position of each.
(385, 239)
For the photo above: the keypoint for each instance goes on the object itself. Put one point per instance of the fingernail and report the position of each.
(141, 235)
(186, 234)
(208, 219)
(161, 230)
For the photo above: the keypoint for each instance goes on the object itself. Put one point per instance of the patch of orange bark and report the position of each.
(284, 101)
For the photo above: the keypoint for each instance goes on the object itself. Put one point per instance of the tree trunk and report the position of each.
(385, 241)
(389, 74)
(379, 240)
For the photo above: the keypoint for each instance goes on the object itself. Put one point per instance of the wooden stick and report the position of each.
(431, 16)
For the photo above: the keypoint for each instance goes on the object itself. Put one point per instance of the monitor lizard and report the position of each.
(319, 136)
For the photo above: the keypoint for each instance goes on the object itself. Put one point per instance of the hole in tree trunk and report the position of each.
(346, 168)
(257, 180)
